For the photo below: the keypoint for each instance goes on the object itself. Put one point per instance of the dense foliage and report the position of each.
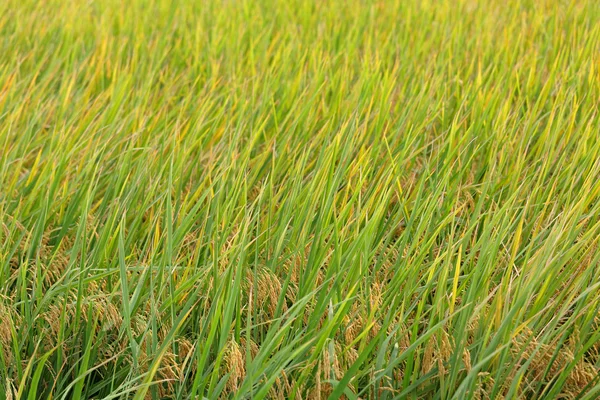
(299, 199)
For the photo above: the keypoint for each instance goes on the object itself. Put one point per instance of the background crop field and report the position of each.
(299, 199)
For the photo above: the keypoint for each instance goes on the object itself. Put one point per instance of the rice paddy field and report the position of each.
(299, 199)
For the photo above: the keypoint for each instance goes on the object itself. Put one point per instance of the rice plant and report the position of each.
(299, 199)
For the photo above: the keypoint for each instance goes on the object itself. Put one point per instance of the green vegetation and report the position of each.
(299, 199)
